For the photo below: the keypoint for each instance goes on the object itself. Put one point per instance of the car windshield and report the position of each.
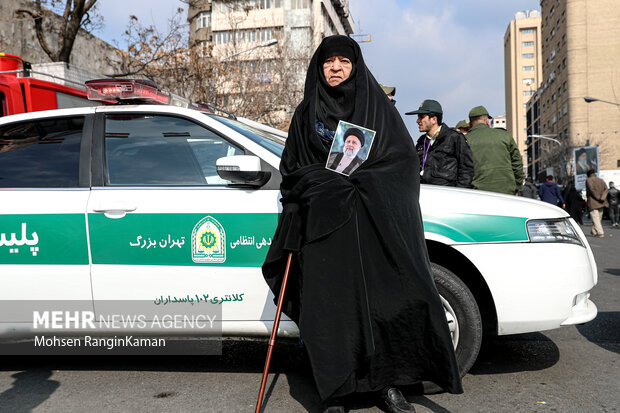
(272, 143)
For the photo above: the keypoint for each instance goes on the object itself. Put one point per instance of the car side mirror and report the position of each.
(242, 169)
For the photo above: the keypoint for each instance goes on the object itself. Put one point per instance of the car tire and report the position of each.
(464, 320)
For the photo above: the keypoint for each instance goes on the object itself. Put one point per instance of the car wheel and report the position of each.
(463, 317)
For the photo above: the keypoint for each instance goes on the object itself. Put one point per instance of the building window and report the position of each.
(221, 37)
(564, 86)
(565, 109)
(300, 4)
(270, 4)
(529, 43)
(528, 68)
(525, 106)
(265, 34)
(527, 55)
(528, 80)
(204, 20)
(526, 31)
(528, 92)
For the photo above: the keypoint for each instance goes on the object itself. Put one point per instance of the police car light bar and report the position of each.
(137, 91)
(120, 90)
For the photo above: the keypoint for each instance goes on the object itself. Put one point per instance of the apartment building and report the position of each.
(273, 39)
(581, 56)
(522, 71)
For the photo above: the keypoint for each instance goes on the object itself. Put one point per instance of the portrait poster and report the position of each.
(585, 158)
(350, 148)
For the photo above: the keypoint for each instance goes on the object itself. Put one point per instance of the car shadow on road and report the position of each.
(604, 330)
(30, 388)
(238, 356)
(516, 353)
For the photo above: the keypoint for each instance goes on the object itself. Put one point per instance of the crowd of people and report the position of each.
(474, 155)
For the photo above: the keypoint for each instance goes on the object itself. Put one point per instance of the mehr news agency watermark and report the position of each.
(120, 332)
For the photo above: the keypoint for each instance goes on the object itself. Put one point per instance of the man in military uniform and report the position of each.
(462, 126)
(497, 162)
(390, 92)
(445, 157)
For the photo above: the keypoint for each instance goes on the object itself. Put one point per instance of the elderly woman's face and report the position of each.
(337, 69)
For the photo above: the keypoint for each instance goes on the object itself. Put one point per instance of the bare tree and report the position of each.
(166, 59)
(264, 84)
(76, 15)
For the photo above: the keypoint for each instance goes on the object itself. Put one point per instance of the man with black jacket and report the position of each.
(445, 157)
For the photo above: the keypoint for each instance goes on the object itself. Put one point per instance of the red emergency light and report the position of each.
(126, 90)
(137, 91)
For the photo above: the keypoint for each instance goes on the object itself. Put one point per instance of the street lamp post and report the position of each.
(589, 99)
(266, 43)
(547, 137)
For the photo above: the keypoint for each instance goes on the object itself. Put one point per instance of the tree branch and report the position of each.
(38, 25)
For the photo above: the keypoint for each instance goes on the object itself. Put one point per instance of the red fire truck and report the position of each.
(21, 93)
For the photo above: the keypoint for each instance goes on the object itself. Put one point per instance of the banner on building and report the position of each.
(585, 158)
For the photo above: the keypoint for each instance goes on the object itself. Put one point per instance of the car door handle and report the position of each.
(114, 210)
(114, 207)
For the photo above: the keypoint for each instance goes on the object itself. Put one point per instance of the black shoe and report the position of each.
(334, 409)
(396, 402)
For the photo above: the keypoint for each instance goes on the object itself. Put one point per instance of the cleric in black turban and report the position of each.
(360, 286)
(348, 161)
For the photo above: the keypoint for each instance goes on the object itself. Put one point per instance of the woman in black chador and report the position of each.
(360, 286)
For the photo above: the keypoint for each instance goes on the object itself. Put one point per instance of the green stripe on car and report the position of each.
(50, 239)
(472, 228)
(230, 240)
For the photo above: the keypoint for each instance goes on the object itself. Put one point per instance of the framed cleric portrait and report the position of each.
(350, 148)
(584, 159)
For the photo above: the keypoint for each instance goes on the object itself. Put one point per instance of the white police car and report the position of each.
(164, 203)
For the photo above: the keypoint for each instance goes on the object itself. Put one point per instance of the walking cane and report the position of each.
(274, 331)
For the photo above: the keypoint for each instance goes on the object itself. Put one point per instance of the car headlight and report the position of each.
(552, 230)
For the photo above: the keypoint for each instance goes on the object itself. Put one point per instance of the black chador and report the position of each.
(360, 287)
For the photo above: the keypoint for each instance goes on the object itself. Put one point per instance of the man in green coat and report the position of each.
(497, 162)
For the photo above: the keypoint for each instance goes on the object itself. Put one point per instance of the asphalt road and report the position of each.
(572, 369)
